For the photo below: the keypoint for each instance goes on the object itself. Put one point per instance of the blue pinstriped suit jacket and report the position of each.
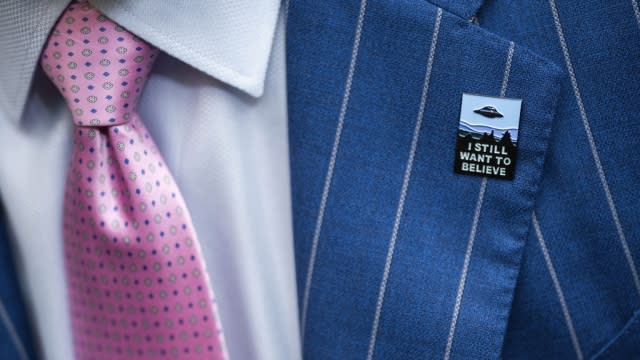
(400, 258)
(15, 339)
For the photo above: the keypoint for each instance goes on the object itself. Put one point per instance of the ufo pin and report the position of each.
(487, 139)
(488, 111)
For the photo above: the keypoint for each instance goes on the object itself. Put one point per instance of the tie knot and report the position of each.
(99, 67)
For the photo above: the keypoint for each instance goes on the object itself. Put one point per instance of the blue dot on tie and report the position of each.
(73, 77)
(106, 73)
(94, 111)
(108, 97)
(103, 51)
(85, 41)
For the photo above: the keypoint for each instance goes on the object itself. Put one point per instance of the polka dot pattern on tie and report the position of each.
(99, 67)
(136, 279)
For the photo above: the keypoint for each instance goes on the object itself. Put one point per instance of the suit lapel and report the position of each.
(16, 341)
(397, 256)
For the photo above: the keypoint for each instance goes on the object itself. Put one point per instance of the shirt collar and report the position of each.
(228, 40)
(23, 32)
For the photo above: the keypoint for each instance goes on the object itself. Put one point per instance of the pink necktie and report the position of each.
(136, 279)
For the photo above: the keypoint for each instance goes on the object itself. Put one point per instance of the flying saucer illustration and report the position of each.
(488, 111)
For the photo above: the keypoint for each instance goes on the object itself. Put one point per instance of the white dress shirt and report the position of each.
(215, 103)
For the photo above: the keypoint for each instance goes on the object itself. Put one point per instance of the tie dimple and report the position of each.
(135, 275)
